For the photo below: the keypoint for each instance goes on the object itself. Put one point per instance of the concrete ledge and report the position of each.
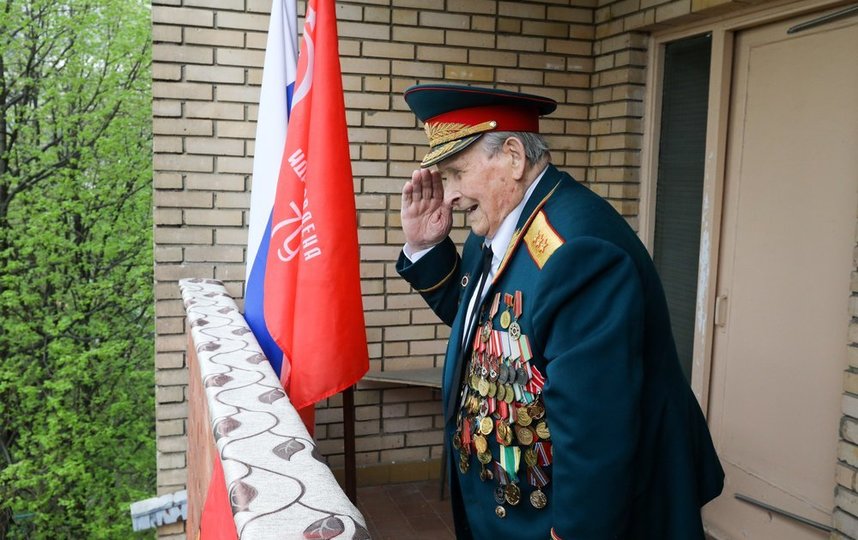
(277, 484)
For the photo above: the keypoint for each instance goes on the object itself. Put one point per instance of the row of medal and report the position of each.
(502, 395)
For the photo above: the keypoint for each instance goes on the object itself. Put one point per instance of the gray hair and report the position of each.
(535, 147)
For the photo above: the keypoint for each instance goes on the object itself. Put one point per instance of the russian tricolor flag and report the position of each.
(303, 299)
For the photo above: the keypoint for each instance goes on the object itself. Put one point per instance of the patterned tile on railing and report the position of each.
(277, 483)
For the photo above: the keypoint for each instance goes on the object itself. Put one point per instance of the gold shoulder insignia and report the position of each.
(541, 240)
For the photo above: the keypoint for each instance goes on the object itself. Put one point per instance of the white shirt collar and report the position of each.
(503, 237)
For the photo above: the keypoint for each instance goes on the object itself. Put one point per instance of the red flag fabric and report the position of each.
(216, 521)
(313, 303)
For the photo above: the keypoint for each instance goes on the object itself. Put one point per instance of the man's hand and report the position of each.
(426, 218)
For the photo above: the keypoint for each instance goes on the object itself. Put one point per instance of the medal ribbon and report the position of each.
(497, 343)
(536, 477)
(466, 432)
(537, 381)
(510, 457)
(526, 353)
(517, 303)
(500, 474)
(543, 453)
(495, 305)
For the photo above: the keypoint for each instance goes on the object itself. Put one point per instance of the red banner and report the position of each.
(216, 522)
(313, 303)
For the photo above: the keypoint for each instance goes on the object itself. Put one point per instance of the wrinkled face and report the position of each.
(481, 185)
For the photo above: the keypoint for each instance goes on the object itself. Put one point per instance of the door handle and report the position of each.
(721, 311)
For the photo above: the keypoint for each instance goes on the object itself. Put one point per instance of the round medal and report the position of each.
(530, 457)
(480, 443)
(524, 435)
(523, 418)
(485, 458)
(499, 495)
(536, 410)
(483, 387)
(457, 441)
(500, 512)
(542, 431)
(486, 331)
(501, 392)
(512, 494)
(514, 330)
(505, 320)
(538, 499)
(486, 426)
(493, 389)
(510, 394)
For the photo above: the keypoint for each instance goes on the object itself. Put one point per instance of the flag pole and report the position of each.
(349, 436)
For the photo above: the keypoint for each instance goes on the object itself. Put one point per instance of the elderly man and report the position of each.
(567, 414)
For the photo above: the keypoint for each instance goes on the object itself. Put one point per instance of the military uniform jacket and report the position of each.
(618, 441)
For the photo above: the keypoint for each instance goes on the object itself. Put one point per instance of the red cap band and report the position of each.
(508, 118)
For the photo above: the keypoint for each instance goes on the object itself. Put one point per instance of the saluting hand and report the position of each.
(426, 218)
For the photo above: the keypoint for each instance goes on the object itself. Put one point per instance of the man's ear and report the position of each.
(514, 149)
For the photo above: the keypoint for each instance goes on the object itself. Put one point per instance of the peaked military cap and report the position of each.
(454, 116)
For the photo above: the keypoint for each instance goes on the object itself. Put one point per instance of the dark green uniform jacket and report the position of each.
(622, 449)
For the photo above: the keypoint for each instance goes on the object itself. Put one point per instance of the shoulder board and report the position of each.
(541, 240)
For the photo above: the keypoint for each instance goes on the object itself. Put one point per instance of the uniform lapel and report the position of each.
(453, 362)
(544, 189)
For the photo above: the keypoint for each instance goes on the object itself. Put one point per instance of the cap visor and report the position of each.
(447, 150)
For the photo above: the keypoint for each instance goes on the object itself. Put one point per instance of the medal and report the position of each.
(500, 512)
(501, 393)
(536, 477)
(505, 320)
(486, 331)
(457, 441)
(530, 457)
(499, 495)
(542, 431)
(503, 374)
(464, 463)
(521, 376)
(480, 443)
(485, 474)
(514, 330)
(486, 426)
(483, 387)
(493, 389)
(512, 494)
(501, 433)
(523, 418)
(485, 458)
(524, 435)
(538, 499)
(536, 410)
(510, 393)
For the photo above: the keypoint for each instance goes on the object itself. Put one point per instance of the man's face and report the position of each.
(481, 185)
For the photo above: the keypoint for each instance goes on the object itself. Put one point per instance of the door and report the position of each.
(788, 232)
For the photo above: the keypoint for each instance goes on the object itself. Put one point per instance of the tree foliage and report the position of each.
(76, 375)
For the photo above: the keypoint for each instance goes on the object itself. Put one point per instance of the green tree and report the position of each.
(76, 346)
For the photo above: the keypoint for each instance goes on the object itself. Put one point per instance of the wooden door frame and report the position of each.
(723, 29)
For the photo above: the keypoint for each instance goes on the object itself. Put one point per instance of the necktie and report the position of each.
(469, 329)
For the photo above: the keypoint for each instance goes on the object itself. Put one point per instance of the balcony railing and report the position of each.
(277, 484)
